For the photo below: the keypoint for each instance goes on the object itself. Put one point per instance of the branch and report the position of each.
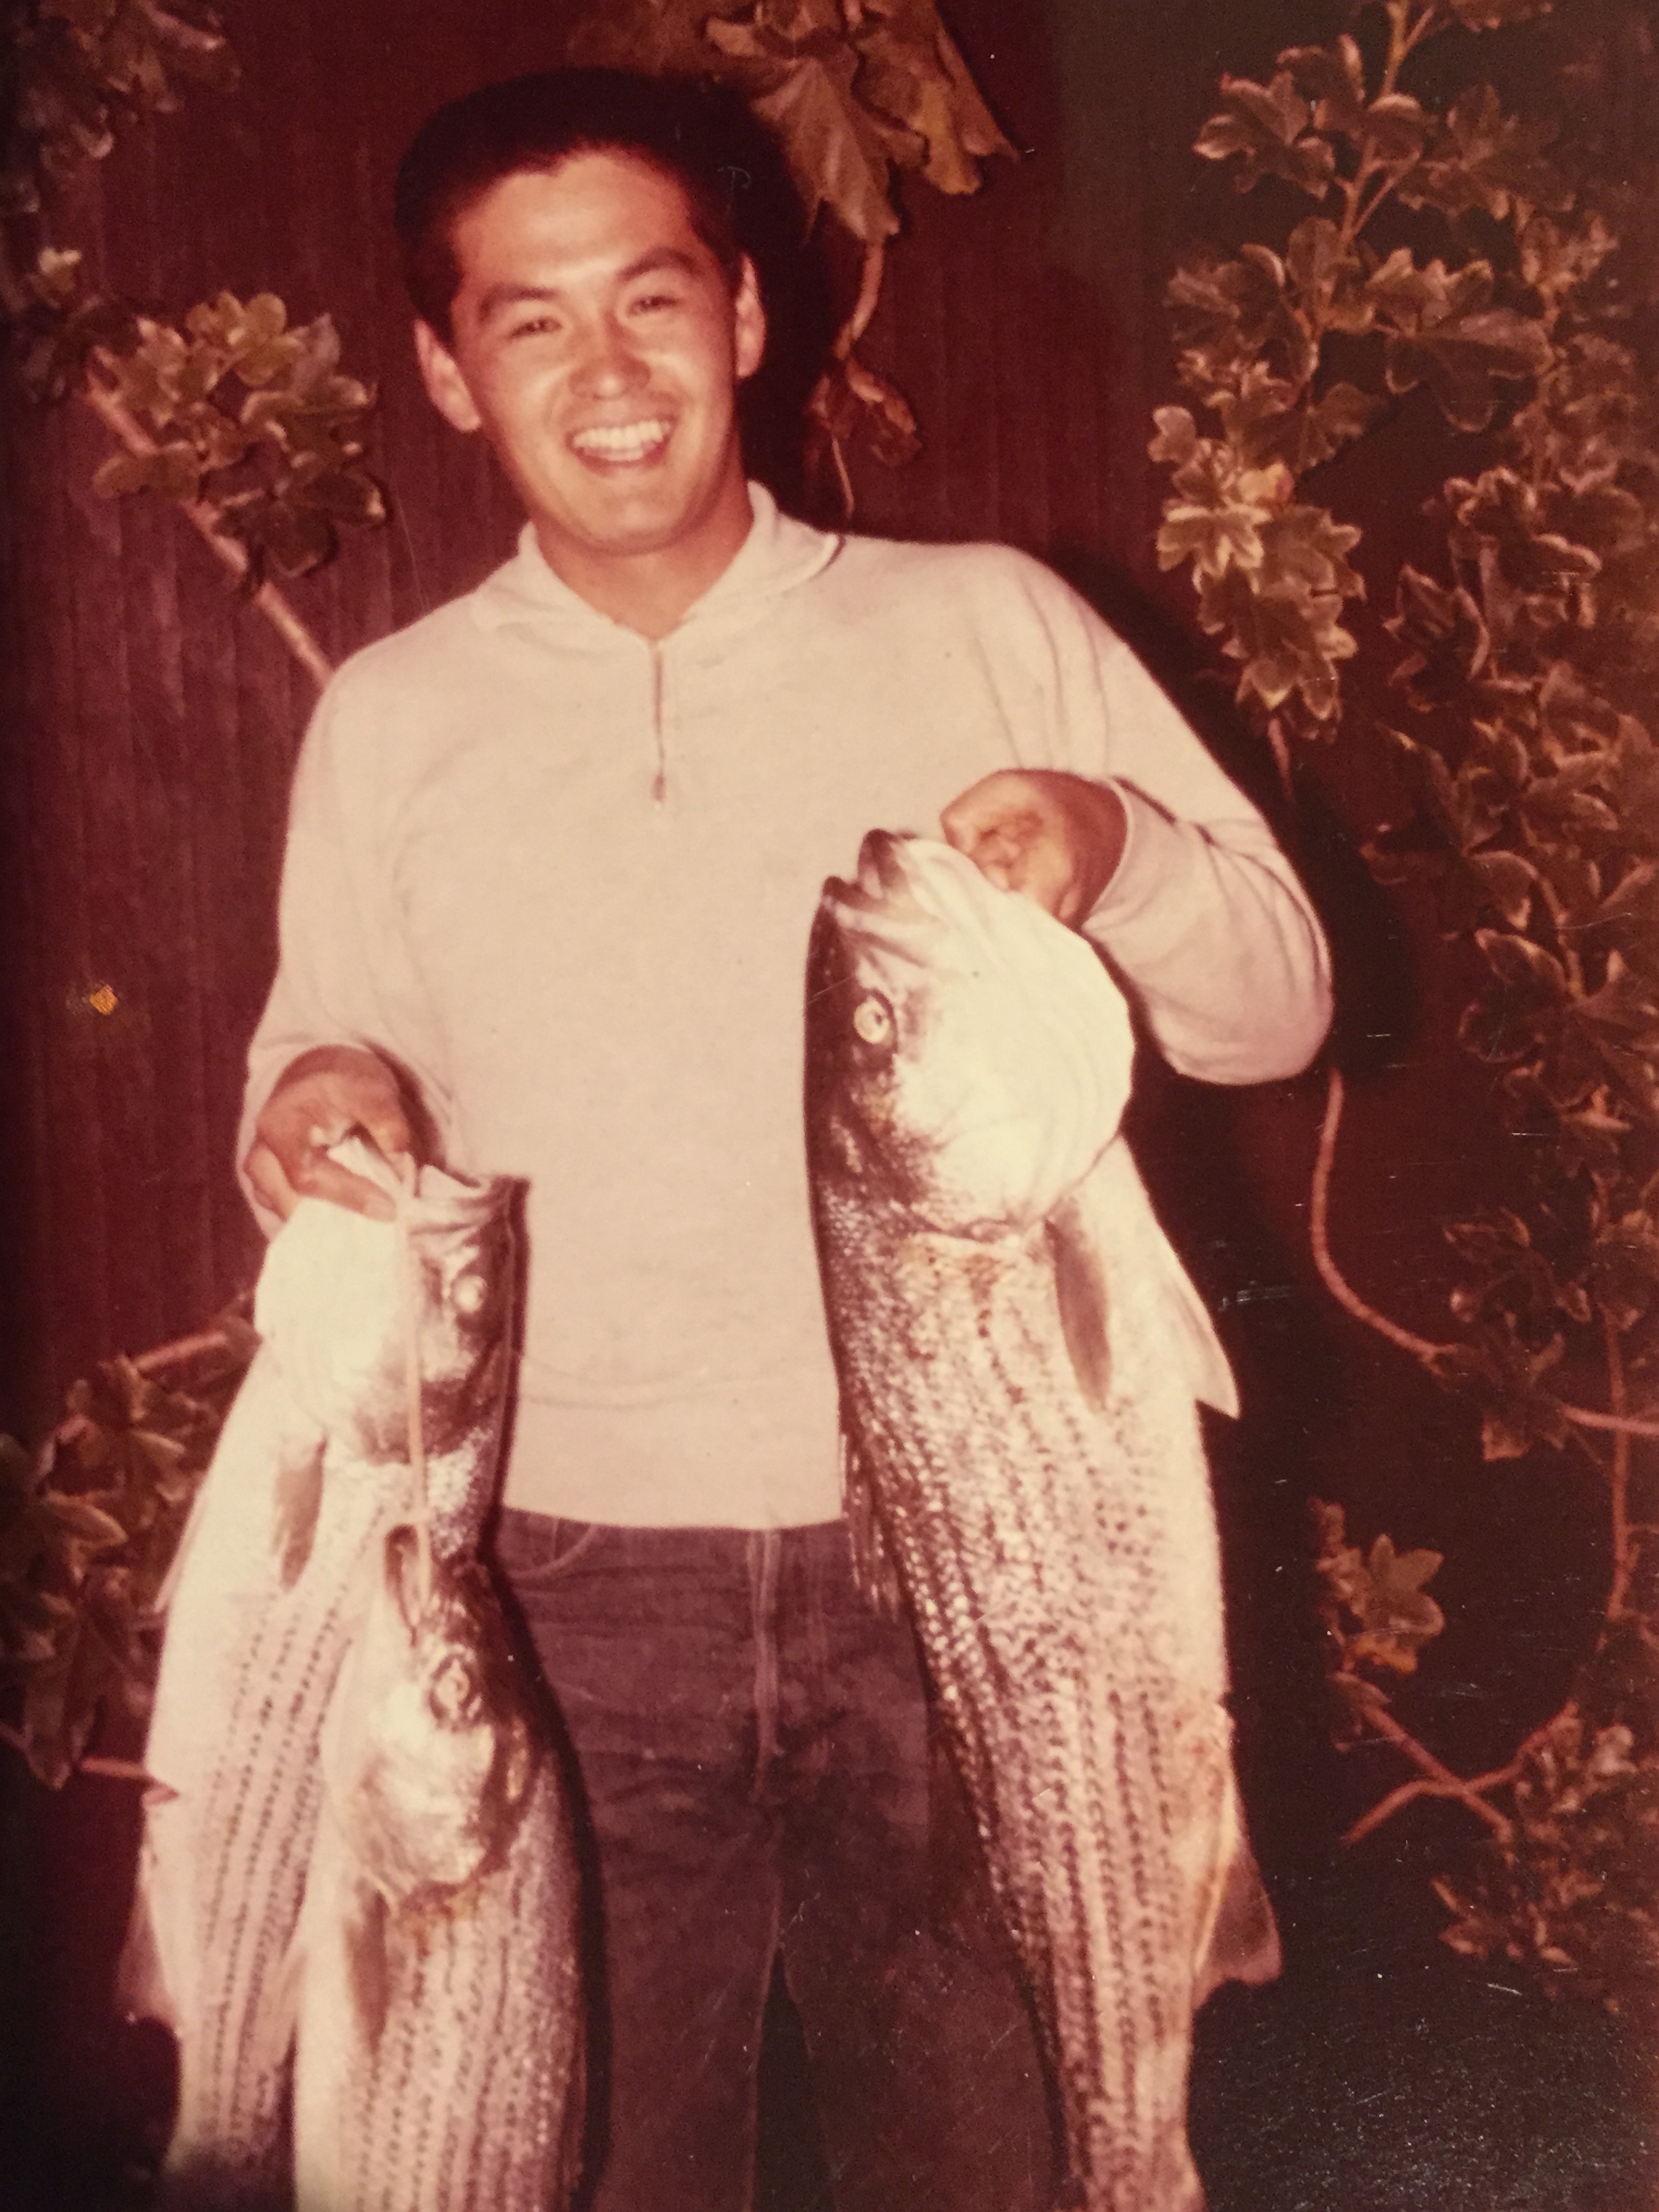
(1618, 1422)
(1318, 1235)
(114, 1770)
(181, 1350)
(1450, 1785)
(875, 261)
(1438, 1781)
(272, 604)
(1619, 1481)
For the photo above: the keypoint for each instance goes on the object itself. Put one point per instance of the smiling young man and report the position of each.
(553, 856)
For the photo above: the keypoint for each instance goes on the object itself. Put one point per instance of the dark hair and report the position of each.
(693, 131)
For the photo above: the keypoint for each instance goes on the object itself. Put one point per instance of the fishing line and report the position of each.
(420, 1514)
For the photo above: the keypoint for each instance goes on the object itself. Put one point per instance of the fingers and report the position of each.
(1016, 836)
(327, 1094)
(1057, 838)
(270, 1186)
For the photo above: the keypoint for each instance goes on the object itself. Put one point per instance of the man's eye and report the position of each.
(537, 326)
(649, 302)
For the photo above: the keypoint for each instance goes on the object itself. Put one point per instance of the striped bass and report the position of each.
(1020, 1354)
(440, 2057)
(277, 1575)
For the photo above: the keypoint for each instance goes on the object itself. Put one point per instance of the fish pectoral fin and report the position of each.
(299, 1504)
(1081, 1294)
(369, 1969)
(141, 1984)
(279, 2006)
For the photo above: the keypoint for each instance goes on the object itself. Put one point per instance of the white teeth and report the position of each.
(620, 441)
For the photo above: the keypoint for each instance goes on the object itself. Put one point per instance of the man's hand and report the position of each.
(1058, 838)
(331, 1092)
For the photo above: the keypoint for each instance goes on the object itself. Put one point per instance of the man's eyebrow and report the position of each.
(500, 298)
(660, 257)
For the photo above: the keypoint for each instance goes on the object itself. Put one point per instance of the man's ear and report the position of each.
(446, 386)
(748, 323)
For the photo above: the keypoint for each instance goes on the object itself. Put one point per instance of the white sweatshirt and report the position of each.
(564, 878)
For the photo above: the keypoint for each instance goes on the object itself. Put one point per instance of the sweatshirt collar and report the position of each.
(778, 553)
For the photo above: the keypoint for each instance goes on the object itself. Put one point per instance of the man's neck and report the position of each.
(651, 592)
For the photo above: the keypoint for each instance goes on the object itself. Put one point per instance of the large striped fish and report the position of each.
(1020, 1354)
(286, 1566)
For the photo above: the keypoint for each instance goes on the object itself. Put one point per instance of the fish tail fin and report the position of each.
(141, 1983)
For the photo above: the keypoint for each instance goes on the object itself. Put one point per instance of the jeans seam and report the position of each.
(765, 1552)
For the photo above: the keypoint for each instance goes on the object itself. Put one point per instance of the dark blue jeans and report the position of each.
(751, 1741)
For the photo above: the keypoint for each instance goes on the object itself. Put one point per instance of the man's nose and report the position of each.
(610, 363)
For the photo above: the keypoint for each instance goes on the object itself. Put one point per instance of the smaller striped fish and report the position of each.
(439, 2063)
(282, 1568)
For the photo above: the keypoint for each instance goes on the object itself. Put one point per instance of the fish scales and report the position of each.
(442, 1994)
(248, 1671)
(452, 2111)
(278, 1581)
(1055, 1541)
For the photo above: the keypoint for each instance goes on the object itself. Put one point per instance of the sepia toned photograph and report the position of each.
(829, 1328)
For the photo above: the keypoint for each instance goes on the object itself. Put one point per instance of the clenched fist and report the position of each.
(1056, 837)
(336, 1090)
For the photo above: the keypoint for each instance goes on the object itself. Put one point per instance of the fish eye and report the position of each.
(453, 1692)
(873, 1018)
(469, 1294)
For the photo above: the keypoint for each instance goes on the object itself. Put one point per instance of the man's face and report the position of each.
(597, 346)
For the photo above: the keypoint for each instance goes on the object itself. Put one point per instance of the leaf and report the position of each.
(1624, 1270)
(1334, 77)
(1397, 1619)
(1502, 512)
(1306, 547)
(1329, 278)
(1232, 317)
(1555, 262)
(1448, 335)
(1356, 1701)
(1506, 882)
(1177, 441)
(1396, 128)
(1514, 1287)
(1448, 638)
(296, 538)
(911, 72)
(836, 152)
(1488, 160)
(1524, 966)
(172, 471)
(1266, 126)
(1502, 1376)
(1219, 512)
(343, 498)
(1289, 641)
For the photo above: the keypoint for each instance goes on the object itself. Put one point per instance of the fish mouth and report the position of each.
(632, 445)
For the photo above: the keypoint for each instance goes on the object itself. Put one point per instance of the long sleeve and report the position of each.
(343, 975)
(1203, 920)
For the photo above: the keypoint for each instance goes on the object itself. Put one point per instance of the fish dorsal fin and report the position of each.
(1081, 1294)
